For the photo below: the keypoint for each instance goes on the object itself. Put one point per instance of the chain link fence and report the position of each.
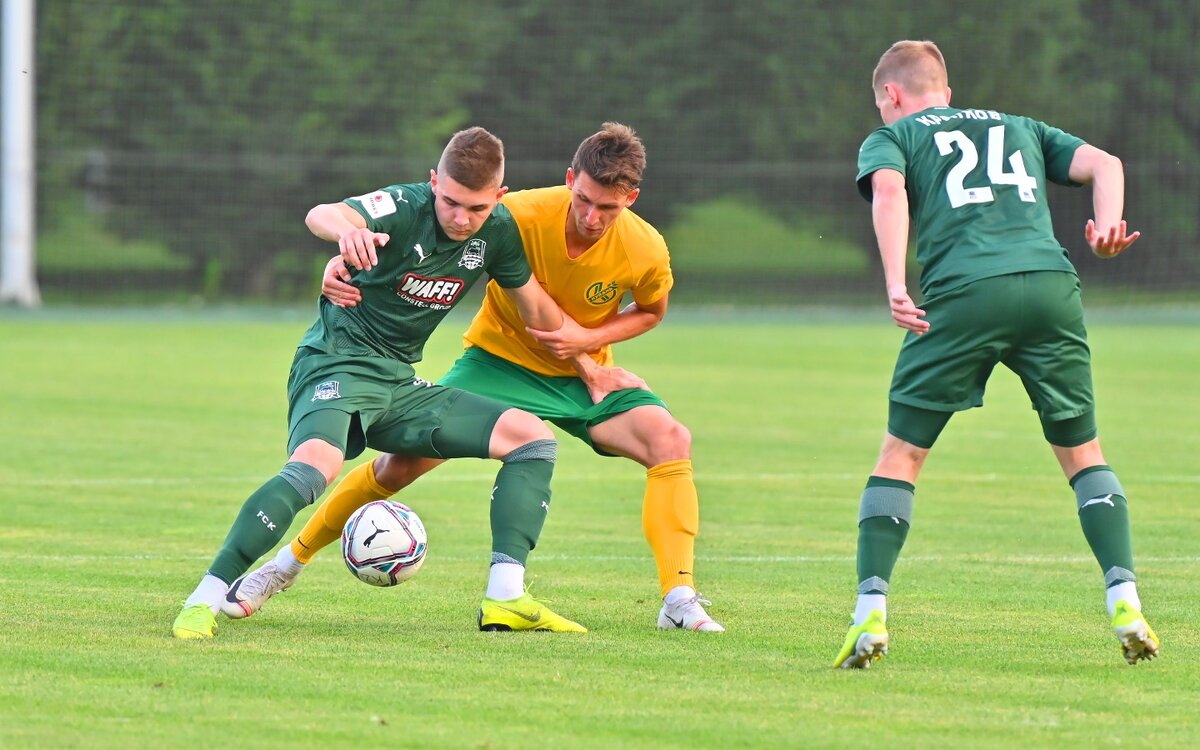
(180, 144)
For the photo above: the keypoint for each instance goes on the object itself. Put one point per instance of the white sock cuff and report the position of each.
(678, 593)
(211, 591)
(1126, 590)
(868, 603)
(506, 581)
(286, 561)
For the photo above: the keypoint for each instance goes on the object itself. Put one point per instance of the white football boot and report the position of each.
(249, 593)
(688, 614)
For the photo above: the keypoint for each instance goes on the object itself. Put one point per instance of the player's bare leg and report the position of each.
(671, 509)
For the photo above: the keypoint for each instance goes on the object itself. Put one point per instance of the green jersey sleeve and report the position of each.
(1059, 148)
(509, 267)
(881, 150)
(391, 209)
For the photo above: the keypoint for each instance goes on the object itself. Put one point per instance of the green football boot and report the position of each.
(523, 613)
(196, 621)
(865, 643)
(1138, 640)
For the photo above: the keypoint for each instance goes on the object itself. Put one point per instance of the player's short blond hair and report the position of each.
(474, 158)
(917, 66)
(613, 157)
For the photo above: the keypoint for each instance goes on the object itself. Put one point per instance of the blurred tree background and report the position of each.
(181, 143)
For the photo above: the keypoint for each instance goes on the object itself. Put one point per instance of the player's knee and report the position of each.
(898, 457)
(516, 428)
(387, 469)
(523, 427)
(903, 450)
(673, 442)
(322, 456)
(394, 472)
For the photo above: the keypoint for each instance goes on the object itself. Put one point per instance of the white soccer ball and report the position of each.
(384, 543)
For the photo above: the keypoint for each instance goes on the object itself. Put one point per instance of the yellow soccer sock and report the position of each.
(356, 489)
(670, 519)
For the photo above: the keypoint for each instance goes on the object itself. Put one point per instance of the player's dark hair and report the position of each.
(474, 158)
(917, 66)
(613, 157)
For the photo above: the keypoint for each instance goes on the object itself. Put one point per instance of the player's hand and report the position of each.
(568, 341)
(905, 312)
(334, 286)
(1109, 244)
(358, 247)
(601, 381)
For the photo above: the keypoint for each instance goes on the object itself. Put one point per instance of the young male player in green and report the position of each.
(352, 384)
(998, 289)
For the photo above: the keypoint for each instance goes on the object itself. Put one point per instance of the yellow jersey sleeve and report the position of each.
(630, 258)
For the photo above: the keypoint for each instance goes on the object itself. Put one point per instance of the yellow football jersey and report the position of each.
(630, 257)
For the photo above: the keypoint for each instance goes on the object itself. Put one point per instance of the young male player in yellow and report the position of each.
(587, 250)
(998, 289)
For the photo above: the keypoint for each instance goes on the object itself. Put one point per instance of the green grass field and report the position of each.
(130, 441)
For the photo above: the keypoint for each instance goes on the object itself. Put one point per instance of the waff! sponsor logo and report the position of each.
(425, 291)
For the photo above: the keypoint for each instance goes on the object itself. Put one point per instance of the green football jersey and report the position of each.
(976, 183)
(421, 275)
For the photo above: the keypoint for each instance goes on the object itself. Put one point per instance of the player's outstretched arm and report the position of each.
(1106, 234)
(889, 213)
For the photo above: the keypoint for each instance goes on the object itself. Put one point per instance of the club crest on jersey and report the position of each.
(327, 391)
(472, 256)
(599, 293)
(424, 291)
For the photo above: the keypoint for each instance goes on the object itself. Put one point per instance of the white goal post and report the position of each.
(17, 176)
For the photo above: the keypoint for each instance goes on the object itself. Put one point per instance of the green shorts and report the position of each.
(1032, 323)
(562, 401)
(361, 402)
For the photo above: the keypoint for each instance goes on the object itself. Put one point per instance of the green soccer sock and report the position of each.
(520, 502)
(264, 519)
(1104, 516)
(884, 512)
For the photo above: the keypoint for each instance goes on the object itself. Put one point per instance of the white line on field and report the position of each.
(568, 476)
(802, 559)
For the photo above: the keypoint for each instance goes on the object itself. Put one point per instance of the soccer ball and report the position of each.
(384, 543)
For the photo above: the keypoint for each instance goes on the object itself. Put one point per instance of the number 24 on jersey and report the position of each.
(960, 195)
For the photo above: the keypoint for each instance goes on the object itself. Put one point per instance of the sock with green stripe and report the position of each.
(885, 512)
(1104, 517)
(520, 502)
(265, 517)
